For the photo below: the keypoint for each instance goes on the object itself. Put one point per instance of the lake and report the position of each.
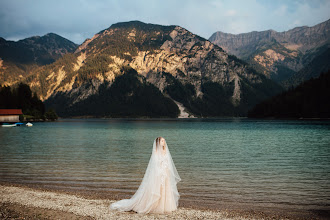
(267, 163)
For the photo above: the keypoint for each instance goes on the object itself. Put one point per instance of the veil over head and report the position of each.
(158, 191)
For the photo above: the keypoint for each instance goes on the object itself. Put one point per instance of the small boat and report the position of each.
(19, 123)
(29, 124)
(8, 125)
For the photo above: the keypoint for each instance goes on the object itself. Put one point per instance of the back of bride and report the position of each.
(157, 192)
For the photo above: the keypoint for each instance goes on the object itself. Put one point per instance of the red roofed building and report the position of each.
(10, 115)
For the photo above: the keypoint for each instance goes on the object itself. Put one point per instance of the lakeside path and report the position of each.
(19, 201)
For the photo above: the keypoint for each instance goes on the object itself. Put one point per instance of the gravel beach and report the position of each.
(20, 202)
(65, 206)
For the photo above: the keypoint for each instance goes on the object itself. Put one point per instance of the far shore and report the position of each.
(33, 201)
(190, 118)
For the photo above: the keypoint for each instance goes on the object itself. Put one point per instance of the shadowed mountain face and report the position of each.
(19, 58)
(308, 100)
(182, 66)
(36, 50)
(278, 55)
(320, 64)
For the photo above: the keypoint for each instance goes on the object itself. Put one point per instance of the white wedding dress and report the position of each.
(158, 191)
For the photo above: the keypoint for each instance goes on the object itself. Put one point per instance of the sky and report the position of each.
(77, 20)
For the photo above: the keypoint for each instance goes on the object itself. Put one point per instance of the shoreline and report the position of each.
(27, 200)
(190, 118)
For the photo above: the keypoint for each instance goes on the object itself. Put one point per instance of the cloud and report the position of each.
(230, 13)
(281, 11)
(81, 19)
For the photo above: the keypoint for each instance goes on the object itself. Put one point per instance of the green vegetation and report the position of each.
(178, 91)
(66, 63)
(217, 99)
(318, 65)
(93, 66)
(145, 37)
(236, 60)
(128, 96)
(36, 50)
(283, 73)
(51, 115)
(309, 100)
(129, 38)
(14, 71)
(22, 98)
(28, 57)
(254, 93)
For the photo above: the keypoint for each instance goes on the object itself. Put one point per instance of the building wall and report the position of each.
(9, 118)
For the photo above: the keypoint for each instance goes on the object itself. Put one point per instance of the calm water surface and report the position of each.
(269, 163)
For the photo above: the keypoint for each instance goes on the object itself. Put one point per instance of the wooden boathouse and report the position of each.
(10, 115)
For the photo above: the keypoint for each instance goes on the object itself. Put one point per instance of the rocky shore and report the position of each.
(20, 202)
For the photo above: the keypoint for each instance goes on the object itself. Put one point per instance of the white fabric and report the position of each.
(158, 191)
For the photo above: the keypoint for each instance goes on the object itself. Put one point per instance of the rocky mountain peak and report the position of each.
(277, 55)
(138, 25)
(37, 50)
(23, 57)
(181, 65)
(306, 36)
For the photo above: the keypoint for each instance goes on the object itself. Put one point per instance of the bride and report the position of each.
(158, 192)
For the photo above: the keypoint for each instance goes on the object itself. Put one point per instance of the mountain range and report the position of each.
(281, 56)
(18, 59)
(177, 72)
(308, 100)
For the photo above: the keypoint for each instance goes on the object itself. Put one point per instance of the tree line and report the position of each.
(21, 97)
(128, 96)
(308, 100)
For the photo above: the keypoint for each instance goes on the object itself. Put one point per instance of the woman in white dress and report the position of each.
(158, 192)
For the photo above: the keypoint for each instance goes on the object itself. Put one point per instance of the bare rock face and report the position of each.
(23, 57)
(298, 39)
(162, 55)
(191, 59)
(277, 53)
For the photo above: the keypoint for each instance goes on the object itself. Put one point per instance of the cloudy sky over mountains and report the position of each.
(81, 19)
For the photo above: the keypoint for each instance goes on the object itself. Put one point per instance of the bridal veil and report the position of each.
(157, 192)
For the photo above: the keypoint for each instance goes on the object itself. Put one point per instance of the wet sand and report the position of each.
(37, 202)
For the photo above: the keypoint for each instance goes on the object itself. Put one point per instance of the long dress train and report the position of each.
(157, 192)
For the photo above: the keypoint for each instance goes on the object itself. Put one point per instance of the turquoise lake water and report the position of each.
(265, 162)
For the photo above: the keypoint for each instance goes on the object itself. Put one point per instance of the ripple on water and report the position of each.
(225, 160)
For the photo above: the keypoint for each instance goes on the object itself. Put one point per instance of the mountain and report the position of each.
(199, 76)
(40, 50)
(278, 55)
(19, 58)
(128, 96)
(308, 100)
(320, 64)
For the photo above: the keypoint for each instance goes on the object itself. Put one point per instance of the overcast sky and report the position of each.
(77, 20)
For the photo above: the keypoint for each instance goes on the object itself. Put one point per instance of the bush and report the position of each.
(51, 115)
